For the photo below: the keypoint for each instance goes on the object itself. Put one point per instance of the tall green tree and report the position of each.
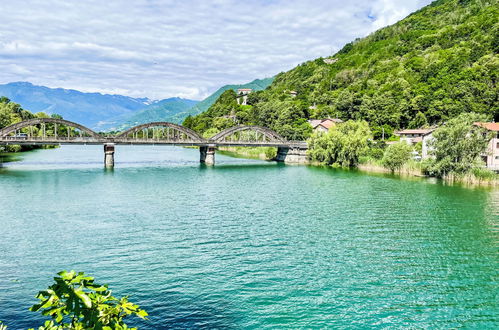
(396, 156)
(458, 145)
(343, 144)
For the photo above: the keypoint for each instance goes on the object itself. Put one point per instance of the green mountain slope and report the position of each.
(256, 85)
(162, 110)
(438, 62)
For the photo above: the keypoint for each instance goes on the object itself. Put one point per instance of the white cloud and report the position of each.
(161, 49)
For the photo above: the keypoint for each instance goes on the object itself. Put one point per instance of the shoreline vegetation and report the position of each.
(371, 166)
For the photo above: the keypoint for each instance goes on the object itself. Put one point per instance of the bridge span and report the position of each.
(52, 131)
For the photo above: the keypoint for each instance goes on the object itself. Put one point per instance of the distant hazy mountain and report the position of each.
(162, 110)
(256, 85)
(85, 108)
(104, 112)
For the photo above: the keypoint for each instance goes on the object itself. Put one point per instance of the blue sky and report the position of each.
(165, 48)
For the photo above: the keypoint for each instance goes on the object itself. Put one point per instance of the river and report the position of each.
(248, 243)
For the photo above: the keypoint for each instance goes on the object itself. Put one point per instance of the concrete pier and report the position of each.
(292, 155)
(109, 155)
(207, 155)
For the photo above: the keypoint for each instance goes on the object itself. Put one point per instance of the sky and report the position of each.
(167, 48)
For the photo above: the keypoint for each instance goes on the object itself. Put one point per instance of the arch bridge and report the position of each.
(54, 131)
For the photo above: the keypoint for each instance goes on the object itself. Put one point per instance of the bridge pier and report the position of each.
(109, 155)
(207, 155)
(292, 155)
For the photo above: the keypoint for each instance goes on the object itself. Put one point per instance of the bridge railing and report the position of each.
(48, 138)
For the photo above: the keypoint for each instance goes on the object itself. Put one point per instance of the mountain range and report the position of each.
(104, 112)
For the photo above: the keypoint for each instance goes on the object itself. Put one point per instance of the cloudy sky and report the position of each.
(164, 48)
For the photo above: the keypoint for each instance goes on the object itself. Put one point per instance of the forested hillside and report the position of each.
(256, 85)
(163, 110)
(438, 62)
(11, 113)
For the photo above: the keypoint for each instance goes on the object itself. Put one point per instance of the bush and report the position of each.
(343, 144)
(75, 301)
(396, 155)
(270, 153)
(456, 147)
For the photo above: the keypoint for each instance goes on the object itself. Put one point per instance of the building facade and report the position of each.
(491, 157)
(242, 95)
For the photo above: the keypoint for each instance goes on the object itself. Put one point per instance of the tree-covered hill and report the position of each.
(433, 65)
(163, 110)
(256, 85)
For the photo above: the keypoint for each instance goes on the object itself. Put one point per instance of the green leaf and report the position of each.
(142, 314)
(83, 296)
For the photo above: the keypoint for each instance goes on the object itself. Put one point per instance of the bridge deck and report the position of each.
(94, 141)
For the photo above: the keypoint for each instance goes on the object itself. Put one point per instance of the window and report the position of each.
(497, 145)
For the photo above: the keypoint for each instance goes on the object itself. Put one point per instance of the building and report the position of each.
(242, 95)
(323, 125)
(491, 158)
(413, 136)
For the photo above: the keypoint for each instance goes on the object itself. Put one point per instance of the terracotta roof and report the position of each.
(421, 131)
(327, 123)
(314, 122)
(490, 126)
(334, 120)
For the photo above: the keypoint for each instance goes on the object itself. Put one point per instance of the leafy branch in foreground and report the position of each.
(75, 301)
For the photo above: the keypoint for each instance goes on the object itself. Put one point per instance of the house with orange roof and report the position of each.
(323, 125)
(491, 158)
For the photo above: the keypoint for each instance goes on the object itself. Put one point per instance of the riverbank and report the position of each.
(478, 177)
(262, 153)
(412, 168)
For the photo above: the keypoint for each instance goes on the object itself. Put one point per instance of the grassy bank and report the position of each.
(476, 177)
(411, 168)
(263, 153)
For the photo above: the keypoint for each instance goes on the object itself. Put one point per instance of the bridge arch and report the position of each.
(38, 121)
(266, 132)
(192, 135)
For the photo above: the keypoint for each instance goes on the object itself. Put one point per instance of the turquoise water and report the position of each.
(248, 244)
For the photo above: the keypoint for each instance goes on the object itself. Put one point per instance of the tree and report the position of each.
(419, 121)
(342, 145)
(396, 155)
(456, 147)
(75, 301)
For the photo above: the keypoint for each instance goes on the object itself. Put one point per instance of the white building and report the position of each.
(491, 158)
(242, 95)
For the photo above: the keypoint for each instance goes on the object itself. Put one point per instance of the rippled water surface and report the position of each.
(248, 244)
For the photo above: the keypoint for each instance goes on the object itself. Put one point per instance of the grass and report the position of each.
(265, 153)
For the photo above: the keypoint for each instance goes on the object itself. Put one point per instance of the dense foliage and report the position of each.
(11, 113)
(342, 145)
(435, 64)
(396, 155)
(75, 301)
(457, 146)
(255, 85)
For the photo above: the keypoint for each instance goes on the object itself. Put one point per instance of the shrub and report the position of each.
(75, 301)
(343, 144)
(396, 155)
(456, 147)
